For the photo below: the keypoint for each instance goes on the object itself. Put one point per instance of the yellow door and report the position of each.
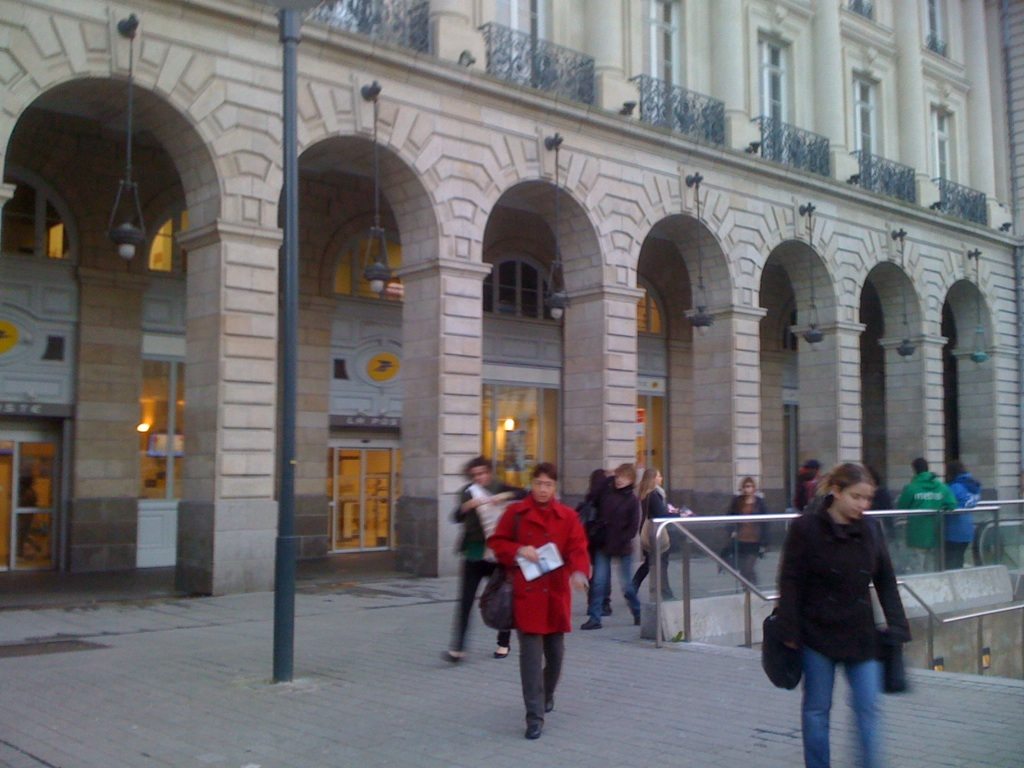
(363, 485)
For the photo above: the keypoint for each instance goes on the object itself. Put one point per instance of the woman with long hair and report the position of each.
(652, 505)
(747, 540)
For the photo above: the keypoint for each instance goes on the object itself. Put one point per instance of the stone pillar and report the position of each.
(915, 420)
(103, 520)
(913, 109)
(442, 350)
(729, 78)
(604, 21)
(830, 406)
(772, 480)
(227, 519)
(312, 420)
(452, 32)
(829, 107)
(979, 100)
(679, 435)
(726, 405)
(599, 384)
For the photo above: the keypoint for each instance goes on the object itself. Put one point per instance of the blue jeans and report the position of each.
(865, 679)
(602, 583)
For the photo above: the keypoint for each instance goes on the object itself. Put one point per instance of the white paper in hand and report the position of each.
(549, 560)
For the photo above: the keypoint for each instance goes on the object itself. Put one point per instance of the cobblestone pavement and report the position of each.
(185, 682)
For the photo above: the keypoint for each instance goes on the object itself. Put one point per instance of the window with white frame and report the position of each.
(864, 115)
(942, 143)
(662, 31)
(527, 16)
(935, 14)
(773, 56)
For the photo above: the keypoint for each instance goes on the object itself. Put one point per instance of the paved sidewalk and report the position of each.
(184, 682)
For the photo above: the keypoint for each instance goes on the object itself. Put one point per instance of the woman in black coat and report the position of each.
(832, 556)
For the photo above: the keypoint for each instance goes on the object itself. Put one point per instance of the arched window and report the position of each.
(32, 225)
(648, 312)
(165, 254)
(515, 288)
(348, 274)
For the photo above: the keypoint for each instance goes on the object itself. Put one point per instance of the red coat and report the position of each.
(542, 606)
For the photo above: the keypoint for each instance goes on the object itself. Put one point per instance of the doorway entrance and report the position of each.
(363, 484)
(28, 497)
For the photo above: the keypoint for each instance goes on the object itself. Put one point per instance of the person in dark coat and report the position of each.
(832, 556)
(543, 607)
(806, 484)
(748, 540)
(598, 482)
(618, 521)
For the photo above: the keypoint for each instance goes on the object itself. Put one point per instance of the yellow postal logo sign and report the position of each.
(8, 336)
(382, 367)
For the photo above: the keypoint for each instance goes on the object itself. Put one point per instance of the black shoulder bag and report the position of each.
(496, 599)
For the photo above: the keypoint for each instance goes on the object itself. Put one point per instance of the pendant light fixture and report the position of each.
(813, 334)
(906, 347)
(376, 272)
(978, 355)
(131, 232)
(556, 298)
(699, 318)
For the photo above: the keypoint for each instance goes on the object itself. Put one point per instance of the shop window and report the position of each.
(165, 255)
(32, 226)
(519, 429)
(515, 288)
(648, 313)
(161, 428)
(348, 274)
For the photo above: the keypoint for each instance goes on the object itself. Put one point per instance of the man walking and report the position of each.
(925, 491)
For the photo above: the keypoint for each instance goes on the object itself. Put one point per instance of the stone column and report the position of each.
(913, 109)
(830, 405)
(979, 100)
(227, 519)
(442, 349)
(726, 405)
(452, 32)
(599, 384)
(915, 419)
(312, 425)
(729, 78)
(829, 111)
(103, 520)
(604, 22)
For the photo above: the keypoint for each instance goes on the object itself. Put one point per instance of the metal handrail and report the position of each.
(682, 523)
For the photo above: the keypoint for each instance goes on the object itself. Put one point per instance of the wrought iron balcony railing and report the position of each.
(688, 112)
(398, 22)
(523, 59)
(962, 202)
(885, 176)
(864, 7)
(936, 44)
(785, 143)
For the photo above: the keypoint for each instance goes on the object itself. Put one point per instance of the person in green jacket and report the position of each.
(925, 491)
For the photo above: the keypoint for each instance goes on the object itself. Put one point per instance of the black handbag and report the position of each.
(781, 663)
(496, 601)
(894, 672)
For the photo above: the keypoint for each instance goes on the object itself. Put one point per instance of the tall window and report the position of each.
(942, 143)
(161, 428)
(648, 313)
(32, 225)
(515, 288)
(936, 40)
(519, 428)
(663, 27)
(524, 16)
(864, 115)
(773, 80)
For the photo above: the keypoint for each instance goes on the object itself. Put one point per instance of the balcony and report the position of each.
(864, 7)
(885, 177)
(669, 106)
(519, 58)
(405, 23)
(935, 44)
(787, 144)
(963, 202)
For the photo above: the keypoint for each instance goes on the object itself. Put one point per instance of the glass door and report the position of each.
(28, 500)
(362, 487)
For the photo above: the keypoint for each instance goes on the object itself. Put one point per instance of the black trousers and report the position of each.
(473, 572)
(955, 554)
(540, 666)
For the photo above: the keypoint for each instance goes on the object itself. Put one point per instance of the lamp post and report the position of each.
(286, 545)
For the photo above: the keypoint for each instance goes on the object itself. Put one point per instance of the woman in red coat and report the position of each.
(542, 607)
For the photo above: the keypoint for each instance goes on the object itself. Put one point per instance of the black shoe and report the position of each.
(590, 624)
(452, 657)
(636, 619)
(533, 731)
(549, 704)
(606, 610)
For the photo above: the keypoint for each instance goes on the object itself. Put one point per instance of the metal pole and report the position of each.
(655, 533)
(287, 545)
(686, 591)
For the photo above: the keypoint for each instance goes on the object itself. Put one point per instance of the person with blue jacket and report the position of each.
(960, 527)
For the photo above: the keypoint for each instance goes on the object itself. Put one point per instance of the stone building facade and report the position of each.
(140, 398)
